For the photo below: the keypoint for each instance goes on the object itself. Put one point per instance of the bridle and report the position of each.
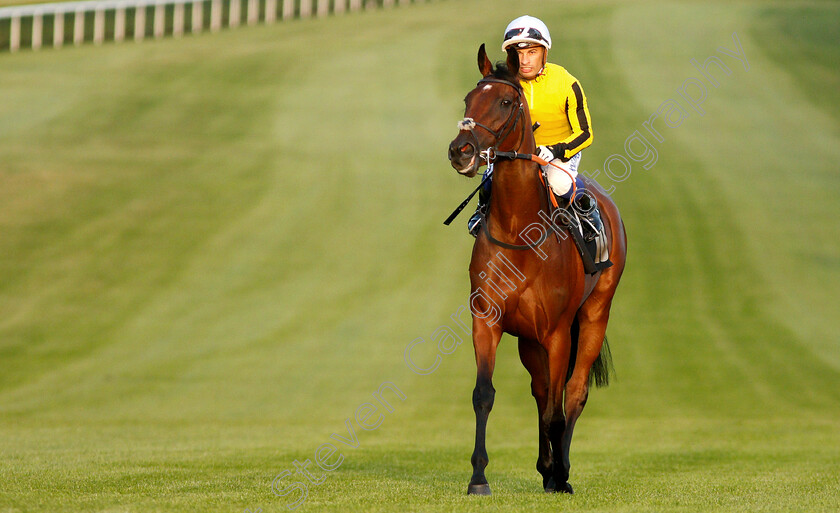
(490, 153)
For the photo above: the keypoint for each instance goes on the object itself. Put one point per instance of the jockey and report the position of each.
(557, 103)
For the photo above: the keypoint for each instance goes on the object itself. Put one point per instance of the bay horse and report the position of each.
(558, 312)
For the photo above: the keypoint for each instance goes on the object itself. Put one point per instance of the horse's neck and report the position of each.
(517, 195)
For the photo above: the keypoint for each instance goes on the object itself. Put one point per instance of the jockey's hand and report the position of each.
(545, 153)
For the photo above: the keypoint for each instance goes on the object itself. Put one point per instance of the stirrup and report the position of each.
(592, 225)
(474, 224)
(590, 219)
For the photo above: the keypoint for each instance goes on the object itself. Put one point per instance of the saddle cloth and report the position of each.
(595, 253)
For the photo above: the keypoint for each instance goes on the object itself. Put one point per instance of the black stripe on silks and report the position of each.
(577, 141)
(581, 113)
(582, 120)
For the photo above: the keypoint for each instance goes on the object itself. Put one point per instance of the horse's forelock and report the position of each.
(503, 72)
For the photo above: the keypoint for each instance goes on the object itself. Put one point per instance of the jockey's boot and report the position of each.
(474, 224)
(587, 208)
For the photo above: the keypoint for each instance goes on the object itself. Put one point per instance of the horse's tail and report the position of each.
(602, 367)
(599, 374)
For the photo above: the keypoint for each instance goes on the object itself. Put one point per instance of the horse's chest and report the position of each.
(534, 312)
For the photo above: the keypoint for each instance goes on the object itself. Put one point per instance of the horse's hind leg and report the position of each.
(535, 359)
(592, 329)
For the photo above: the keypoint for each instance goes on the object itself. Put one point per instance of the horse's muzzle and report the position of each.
(464, 156)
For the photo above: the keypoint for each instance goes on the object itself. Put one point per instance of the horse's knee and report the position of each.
(548, 416)
(556, 429)
(483, 397)
(539, 390)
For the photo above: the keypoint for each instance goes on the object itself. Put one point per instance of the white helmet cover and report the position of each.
(525, 31)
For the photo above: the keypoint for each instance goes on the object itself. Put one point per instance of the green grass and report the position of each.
(214, 250)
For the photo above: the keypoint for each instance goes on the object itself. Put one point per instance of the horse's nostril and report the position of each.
(460, 150)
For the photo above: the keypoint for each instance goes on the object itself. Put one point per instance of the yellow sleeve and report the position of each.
(578, 112)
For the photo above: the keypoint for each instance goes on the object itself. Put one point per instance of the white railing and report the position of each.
(68, 22)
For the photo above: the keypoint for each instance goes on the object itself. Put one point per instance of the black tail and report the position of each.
(599, 374)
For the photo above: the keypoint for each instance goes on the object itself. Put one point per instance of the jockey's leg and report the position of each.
(585, 204)
(587, 207)
(474, 223)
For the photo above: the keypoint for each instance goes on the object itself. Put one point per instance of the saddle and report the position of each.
(594, 253)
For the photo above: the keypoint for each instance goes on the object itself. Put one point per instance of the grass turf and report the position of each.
(214, 250)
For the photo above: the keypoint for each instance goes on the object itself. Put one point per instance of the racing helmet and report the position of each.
(526, 31)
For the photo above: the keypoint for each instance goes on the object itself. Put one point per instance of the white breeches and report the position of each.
(561, 180)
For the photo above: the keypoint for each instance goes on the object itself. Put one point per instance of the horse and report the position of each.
(557, 311)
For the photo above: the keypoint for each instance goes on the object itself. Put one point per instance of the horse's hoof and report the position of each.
(551, 487)
(478, 489)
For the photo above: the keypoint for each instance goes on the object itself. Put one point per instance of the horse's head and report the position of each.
(495, 116)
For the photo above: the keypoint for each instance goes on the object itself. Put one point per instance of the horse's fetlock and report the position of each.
(480, 459)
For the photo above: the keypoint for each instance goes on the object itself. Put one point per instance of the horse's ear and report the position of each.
(513, 61)
(484, 64)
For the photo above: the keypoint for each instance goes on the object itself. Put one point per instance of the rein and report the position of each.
(505, 244)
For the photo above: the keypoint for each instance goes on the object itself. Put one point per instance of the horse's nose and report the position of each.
(460, 149)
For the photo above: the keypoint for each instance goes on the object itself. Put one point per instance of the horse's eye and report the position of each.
(506, 103)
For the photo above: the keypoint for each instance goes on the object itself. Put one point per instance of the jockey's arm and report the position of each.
(577, 111)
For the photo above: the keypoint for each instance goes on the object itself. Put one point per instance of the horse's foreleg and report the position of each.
(485, 341)
(559, 347)
(535, 359)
